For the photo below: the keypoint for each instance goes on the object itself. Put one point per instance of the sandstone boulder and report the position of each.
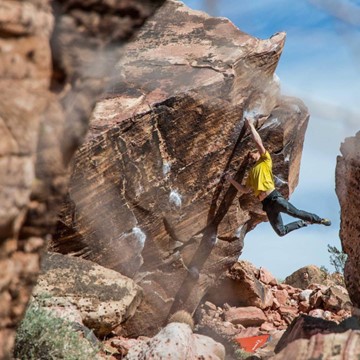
(104, 298)
(305, 276)
(347, 190)
(177, 342)
(55, 61)
(147, 195)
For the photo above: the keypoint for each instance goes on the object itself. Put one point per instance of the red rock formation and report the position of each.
(47, 95)
(347, 190)
(144, 188)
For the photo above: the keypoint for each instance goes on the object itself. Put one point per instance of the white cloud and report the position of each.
(345, 10)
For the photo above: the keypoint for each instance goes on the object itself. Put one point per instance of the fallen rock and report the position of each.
(104, 298)
(210, 322)
(336, 298)
(282, 297)
(266, 277)
(241, 287)
(177, 342)
(288, 313)
(246, 316)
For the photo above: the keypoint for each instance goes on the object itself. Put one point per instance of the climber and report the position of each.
(260, 180)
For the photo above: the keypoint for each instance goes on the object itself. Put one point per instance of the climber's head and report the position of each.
(254, 155)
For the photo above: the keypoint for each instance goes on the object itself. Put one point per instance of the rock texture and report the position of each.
(55, 60)
(347, 190)
(242, 286)
(319, 304)
(324, 346)
(305, 276)
(147, 194)
(104, 297)
(177, 342)
(304, 327)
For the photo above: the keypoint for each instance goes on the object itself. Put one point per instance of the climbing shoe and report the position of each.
(325, 222)
(303, 223)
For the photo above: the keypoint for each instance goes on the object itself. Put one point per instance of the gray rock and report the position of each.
(104, 298)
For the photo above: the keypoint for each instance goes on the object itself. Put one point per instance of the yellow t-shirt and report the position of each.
(260, 177)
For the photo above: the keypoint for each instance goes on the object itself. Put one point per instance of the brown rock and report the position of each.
(305, 276)
(336, 298)
(241, 287)
(211, 323)
(304, 306)
(246, 316)
(288, 313)
(316, 299)
(146, 196)
(324, 346)
(347, 181)
(46, 97)
(266, 277)
(282, 297)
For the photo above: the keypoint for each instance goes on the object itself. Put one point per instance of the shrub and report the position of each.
(337, 258)
(42, 336)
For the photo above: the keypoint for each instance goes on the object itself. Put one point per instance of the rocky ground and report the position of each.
(248, 315)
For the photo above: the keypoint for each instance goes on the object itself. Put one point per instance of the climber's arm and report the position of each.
(255, 135)
(241, 188)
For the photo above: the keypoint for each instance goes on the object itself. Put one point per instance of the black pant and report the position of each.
(275, 204)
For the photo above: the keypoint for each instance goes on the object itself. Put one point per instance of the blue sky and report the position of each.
(320, 65)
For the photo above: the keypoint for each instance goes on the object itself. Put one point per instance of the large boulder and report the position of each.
(347, 190)
(104, 298)
(147, 195)
(56, 58)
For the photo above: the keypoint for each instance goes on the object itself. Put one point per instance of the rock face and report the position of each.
(147, 195)
(104, 297)
(347, 190)
(54, 63)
